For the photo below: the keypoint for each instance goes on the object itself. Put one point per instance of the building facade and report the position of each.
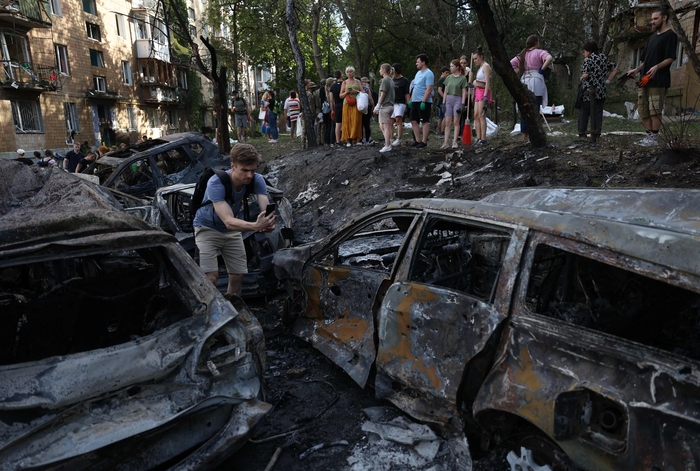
(95, 71)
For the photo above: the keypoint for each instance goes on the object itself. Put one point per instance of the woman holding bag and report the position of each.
(352, 118)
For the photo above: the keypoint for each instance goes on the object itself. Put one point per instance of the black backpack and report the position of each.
(201, 187)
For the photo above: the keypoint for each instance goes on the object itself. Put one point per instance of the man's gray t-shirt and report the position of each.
(216, 192)
(387, 86)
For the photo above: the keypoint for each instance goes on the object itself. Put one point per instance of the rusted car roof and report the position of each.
(626, 221)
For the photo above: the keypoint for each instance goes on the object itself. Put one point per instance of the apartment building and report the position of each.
(99, 71)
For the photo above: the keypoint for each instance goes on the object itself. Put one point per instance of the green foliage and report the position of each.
(193, 101)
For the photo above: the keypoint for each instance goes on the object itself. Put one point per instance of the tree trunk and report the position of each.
(315, 21)
(299, 58)
(220, 98)
(525, 99)
(683, 37)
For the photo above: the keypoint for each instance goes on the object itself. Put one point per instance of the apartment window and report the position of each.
(89, 7)
(122, 30)
(27, 116)
(141, 29)
(55, 6)
(190, 12)
(172, 119)
(100, 83)
(96, 58)
(153, 117)
(182, 79)
(62, 58)
(93, 31)
(70, 112)
(158, 30)
(126, 73)
(636, 57)
(193, 31)
(131, 111)
(679, 56)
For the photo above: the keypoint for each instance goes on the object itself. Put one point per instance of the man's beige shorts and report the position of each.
(230, 243)
(650, 101)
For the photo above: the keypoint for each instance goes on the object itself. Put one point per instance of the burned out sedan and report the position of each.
(143, 168)
(566, 321)
(115, 351)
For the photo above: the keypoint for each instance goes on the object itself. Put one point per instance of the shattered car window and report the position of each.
(137, 179)
(77, 304)
(463, 258)
(376, 245)
(196, 148)
(173, 164)
(615, 301)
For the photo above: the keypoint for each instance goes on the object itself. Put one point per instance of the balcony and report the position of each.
(25, 13)
(144, 4)
(26, 76)
(159, 95)
(149, 49)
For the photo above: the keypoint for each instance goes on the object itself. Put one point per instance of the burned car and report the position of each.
(170, 210)
(564, 320)
(115, 351)
(141, 169)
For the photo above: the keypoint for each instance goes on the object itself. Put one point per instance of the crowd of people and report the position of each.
(343, 105)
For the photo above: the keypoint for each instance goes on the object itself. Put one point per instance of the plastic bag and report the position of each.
(362, 102)
(491, 128)
(300, 126)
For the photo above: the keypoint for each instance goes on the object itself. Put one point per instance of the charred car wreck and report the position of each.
(115, 351)
(567, 317)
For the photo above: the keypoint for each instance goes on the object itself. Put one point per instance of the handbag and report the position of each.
(350, 100)
(325, 108)
(362, 102)
(578, 103)
(261, 115)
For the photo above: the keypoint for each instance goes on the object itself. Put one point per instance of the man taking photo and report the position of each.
(216, 225)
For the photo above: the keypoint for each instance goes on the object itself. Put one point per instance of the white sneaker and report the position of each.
(386, 149)
(648, 141)
(273, 141)
(455, 145)
(445, 146)
(396, 143)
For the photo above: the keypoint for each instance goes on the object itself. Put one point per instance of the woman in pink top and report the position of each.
(531, 63)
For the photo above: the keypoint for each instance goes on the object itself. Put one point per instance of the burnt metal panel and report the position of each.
(427, 335)
(339, 319)
(543, 361)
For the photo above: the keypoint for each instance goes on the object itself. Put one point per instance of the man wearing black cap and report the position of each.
(241, 113)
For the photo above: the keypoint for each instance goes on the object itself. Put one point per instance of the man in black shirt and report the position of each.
(337, 105)
(73, 157)
(657, 58)
(401, 97)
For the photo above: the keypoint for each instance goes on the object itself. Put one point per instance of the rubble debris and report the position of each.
(322, 445)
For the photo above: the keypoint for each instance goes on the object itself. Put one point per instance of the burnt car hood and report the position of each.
(192, 384)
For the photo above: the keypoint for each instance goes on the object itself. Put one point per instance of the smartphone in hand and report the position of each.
(271, 207)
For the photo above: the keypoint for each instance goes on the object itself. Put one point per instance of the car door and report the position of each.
(450, 295)
(342, 283)
(601, 353)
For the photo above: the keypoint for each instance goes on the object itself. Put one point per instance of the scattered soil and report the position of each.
(330, 186)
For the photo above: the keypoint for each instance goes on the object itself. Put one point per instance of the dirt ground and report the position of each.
(328, 187)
